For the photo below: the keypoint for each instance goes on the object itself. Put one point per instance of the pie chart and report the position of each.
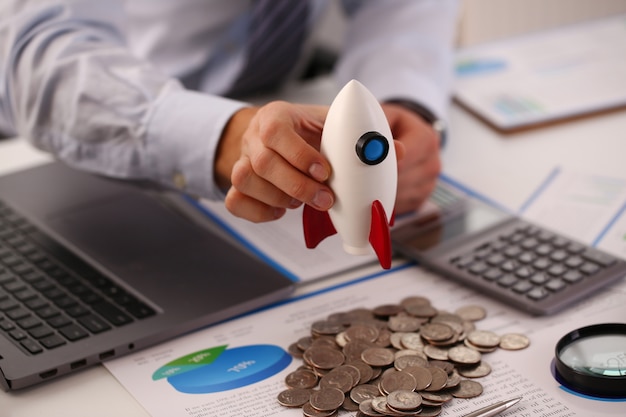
(221, 369)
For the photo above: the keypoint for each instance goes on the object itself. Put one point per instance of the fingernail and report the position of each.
(294, 203)
(323, 200)
(279, 212)
(318, 172)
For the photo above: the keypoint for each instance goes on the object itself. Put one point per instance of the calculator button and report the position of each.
(509, 266)
(543, 249)
(538, 293)
(574, 261)
(555, 285)
(557, 270)
(482, 253)
(530, 243)
(539, 278)
(541, 263)
(574, 247)
(512, 251)
(598, 257)
(589, 268)
(559, 255)
(507, 281)
(478, 268)
(495, 259)
(573, 276)
(463, 262)
(523, 287)
(527, 257)
(493, 274)
(560, 242)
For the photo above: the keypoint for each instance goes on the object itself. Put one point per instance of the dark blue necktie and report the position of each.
(277, 32)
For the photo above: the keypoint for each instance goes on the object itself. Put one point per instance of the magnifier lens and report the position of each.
(597, 355)
(592, 360)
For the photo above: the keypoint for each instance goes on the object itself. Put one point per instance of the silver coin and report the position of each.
(481, 349)
(349, 404)
(448, 367)
(364, 392)
(454, 379)
(323, 357)
(388, 310)
(376, 356)
(463, 355)
(424, 311)
(468, 389)
(295, 351)
(366, 408)
(354, 372)
(353, 349)
(379, 404)
(477, 371)
(341, 380)
(326, 399)
(414, 300)
(294, 397)
(366, 373)
(384, 338)
(423, 377)
(440, 378)
(340, 339)
(435, 398)
(404, 400)
(412, 341)
(514, 341)
(309, 411)
(301, 378)
(364, 332)
(397, 381)
(434, 352)
(404, 323)
(404, 361)
(483, 338)
(436, 332)
(326, 327)
(472, 312)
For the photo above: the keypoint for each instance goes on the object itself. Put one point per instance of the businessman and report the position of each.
(156, 89)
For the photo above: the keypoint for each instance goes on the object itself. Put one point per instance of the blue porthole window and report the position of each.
(372, 148)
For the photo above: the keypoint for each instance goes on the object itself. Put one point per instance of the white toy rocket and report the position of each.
(357, 142)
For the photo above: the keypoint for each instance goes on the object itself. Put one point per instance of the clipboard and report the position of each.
(545, 77)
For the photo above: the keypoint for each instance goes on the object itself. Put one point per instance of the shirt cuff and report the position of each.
(182, 137)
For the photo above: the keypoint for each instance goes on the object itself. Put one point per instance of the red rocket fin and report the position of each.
(393, 217)
(317, 226)
(380, 237)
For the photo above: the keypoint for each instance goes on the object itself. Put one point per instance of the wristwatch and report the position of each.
(429, 117)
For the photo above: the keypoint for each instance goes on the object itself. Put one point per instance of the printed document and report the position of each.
(156, 376)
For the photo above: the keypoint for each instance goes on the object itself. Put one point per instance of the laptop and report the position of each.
(93, 268)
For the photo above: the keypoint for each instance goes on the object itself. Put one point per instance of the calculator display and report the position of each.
(433, 231)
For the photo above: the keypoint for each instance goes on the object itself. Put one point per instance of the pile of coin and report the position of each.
(404, 359)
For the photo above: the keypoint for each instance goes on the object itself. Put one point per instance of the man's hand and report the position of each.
(417, 145)
(269, 157)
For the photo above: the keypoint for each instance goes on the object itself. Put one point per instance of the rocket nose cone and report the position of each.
(354, 85)
(352, 96)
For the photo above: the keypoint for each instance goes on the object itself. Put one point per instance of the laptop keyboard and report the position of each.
(48, 296)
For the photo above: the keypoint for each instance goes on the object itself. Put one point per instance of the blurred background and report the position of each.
(487, 20)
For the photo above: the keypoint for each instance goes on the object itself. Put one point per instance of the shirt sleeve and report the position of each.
(71, 86)
(402, 49)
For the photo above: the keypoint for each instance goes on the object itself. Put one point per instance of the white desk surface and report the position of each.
(506, 167)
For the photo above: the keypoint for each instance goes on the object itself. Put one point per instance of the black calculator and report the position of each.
(504, 256)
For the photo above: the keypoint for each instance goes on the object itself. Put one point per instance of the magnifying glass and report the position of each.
(592, 360)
